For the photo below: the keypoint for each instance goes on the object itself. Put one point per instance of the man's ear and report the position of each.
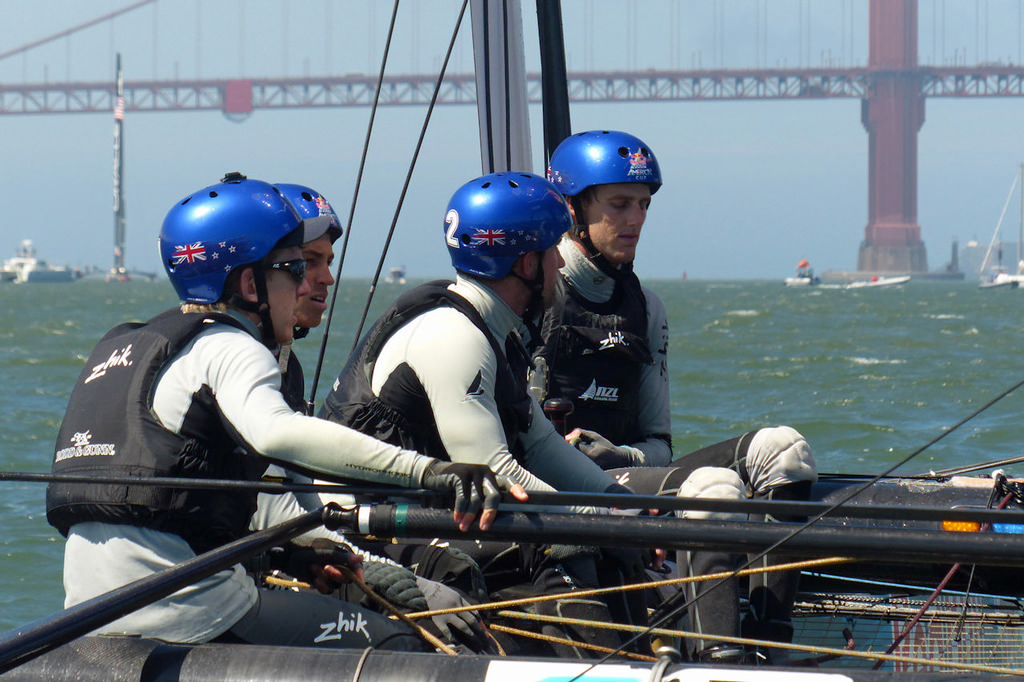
(526, 265)
(572, 211)
(579, 231)
(247, 285)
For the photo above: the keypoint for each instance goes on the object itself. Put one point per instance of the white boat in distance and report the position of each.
(877, 281)
(1001, 280)
(396, 275)
(26, 267)
(998, 277)
(805, 276)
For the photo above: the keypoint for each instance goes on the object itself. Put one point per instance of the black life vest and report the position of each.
(401, 413)
(293, 385)
(594, 354)
(110, 430)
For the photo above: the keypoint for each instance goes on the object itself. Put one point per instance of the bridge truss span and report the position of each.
(988, 81)
(717, 84)
(243, 95)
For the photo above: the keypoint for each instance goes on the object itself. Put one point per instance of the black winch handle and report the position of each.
(557, 410)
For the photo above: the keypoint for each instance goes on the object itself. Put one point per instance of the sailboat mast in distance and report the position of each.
(119, 269)
(1020, 219)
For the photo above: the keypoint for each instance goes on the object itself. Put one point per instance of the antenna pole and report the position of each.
(118, 270)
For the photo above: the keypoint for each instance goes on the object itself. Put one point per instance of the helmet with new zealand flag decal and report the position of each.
(493, 220)
(211, 232)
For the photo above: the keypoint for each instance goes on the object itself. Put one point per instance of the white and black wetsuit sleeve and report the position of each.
(274, 509)
(654, 412)
(457, 367)
(243, 377)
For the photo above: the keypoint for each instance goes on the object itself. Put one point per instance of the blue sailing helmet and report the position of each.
(495, 219)
(602, 157)
(318, 218)
(210, 232)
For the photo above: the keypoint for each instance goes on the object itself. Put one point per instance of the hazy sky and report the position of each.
(751, 187)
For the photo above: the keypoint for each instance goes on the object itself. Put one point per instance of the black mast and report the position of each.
(554, 82)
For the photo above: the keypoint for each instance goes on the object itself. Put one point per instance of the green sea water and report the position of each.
(869, 376)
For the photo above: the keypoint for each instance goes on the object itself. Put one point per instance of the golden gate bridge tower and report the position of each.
(892, 113)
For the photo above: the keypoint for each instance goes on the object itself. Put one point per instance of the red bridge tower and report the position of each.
(892, 113)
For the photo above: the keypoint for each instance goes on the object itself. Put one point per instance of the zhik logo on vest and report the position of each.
(614, 338)
(607, 394)
(118, 358)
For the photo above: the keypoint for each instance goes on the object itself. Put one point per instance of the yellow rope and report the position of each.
(289, 583)
(570, 642)
(971, 667)
(683, 634)
(579, 594)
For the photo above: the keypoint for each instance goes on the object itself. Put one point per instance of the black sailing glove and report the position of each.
(464, 627)
(605, 454)
(473, 486)
(396, 584)
(307, 562)
(408, 592)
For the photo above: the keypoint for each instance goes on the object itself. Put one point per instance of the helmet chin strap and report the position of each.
(534, 311)
(261, 306)
(579, 234)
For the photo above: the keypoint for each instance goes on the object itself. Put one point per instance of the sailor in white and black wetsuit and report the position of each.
(604, 348)
(604, 340)
(322, 228)
(396, 583)
(445, 369)
(195, 392)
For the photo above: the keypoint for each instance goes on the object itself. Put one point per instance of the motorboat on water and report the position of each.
(804, 276)
(26, 267)
(877, 281)
(396, 275)
(803, 280)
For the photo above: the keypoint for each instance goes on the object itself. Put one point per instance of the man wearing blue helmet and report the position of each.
(321, 229)
(605, 340)
(604, 347)
(403, 589)
(448, 362)
(196, 393)
(444, 371)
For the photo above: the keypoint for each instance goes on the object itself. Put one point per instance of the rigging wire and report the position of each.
(830, 652)
(352, 207)
(408, 177)
(946, 473)
(500, 609)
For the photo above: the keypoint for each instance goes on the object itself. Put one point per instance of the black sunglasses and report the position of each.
(295, 268)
